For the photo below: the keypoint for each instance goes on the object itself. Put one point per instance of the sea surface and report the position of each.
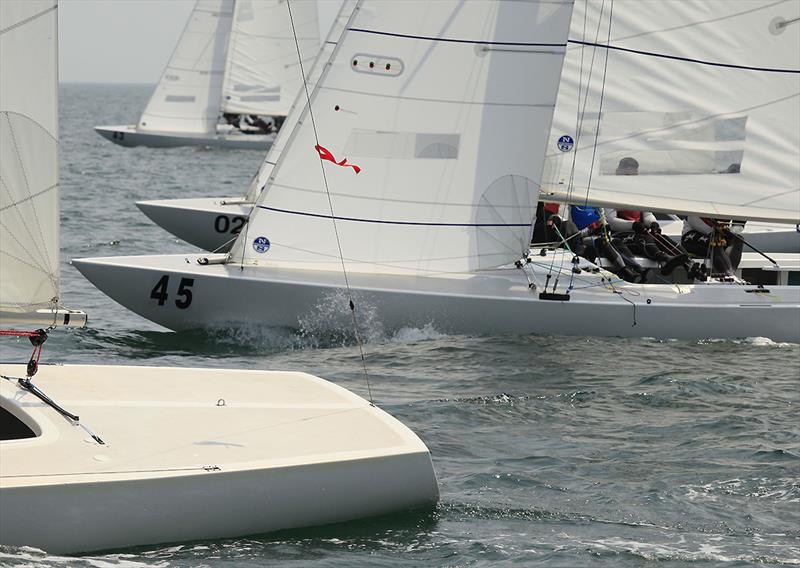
(550, 451)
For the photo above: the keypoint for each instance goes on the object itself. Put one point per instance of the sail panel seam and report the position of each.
(457, 40)
(443, 101)
(29, 197)
(684, 59)
(387, 222)
(29, 19)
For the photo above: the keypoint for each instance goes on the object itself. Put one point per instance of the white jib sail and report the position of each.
(703, 94)
(187, 98)
(29, 248)
(299, 103)
(444, 108)
(262, 74)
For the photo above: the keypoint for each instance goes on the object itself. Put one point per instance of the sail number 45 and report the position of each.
(159, 292)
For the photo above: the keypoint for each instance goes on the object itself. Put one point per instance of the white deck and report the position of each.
(304, 450)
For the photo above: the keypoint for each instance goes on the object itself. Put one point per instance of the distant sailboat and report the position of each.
(212, 223)
(446, 108)
(236, 57)
(119, 456)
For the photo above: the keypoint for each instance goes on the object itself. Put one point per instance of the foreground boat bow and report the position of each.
(190, 454)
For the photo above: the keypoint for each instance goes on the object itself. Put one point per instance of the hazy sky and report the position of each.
(128, 41)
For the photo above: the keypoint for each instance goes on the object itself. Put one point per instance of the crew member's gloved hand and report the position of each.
(638, 227)
(655, 227)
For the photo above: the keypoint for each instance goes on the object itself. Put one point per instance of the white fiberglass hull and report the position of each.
(129, 136)
(176, 292)
(195, 454)
(207, 222)
(766, 237)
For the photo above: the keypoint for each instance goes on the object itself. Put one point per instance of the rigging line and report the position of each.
(600, 105)
(330, 200)
(581, 115)
(609, 47)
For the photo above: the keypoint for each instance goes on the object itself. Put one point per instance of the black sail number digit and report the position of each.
(236, 225)
(159, 291)
(183, 290)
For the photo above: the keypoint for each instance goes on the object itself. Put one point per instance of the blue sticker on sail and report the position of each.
(261, 244)
(565, 143)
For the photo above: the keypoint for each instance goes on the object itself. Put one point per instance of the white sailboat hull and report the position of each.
(129, 136)
(208, 222)
(195, 454)
(491, 302)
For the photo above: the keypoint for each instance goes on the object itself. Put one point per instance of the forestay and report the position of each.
(262, 74)
(298, 105)
(29, 249)
(703, 94)
(444, 107)
(187, 98)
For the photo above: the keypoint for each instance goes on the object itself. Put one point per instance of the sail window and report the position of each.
(677, 143)
(403, 145)
(180, 98)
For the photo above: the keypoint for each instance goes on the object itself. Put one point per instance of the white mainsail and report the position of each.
(299, 104)
(187, 98)
(29, 247)
(262, 74)
(703, 94)
(445, 107)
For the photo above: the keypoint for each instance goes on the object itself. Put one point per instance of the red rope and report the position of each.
(19, 333)
(37, 338)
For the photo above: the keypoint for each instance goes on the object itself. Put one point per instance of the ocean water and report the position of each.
(550, 451)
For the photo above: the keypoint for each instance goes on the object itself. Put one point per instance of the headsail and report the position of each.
(703, 94)
(29, 248)
(187, 98)
(445, 106)
(299, 104)
(262, 75)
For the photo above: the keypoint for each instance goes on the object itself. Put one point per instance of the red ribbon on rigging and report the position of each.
(325, 154)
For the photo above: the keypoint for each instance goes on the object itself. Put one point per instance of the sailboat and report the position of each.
(420, 156)
(236, 57)
(213, 223)
(95, 457)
